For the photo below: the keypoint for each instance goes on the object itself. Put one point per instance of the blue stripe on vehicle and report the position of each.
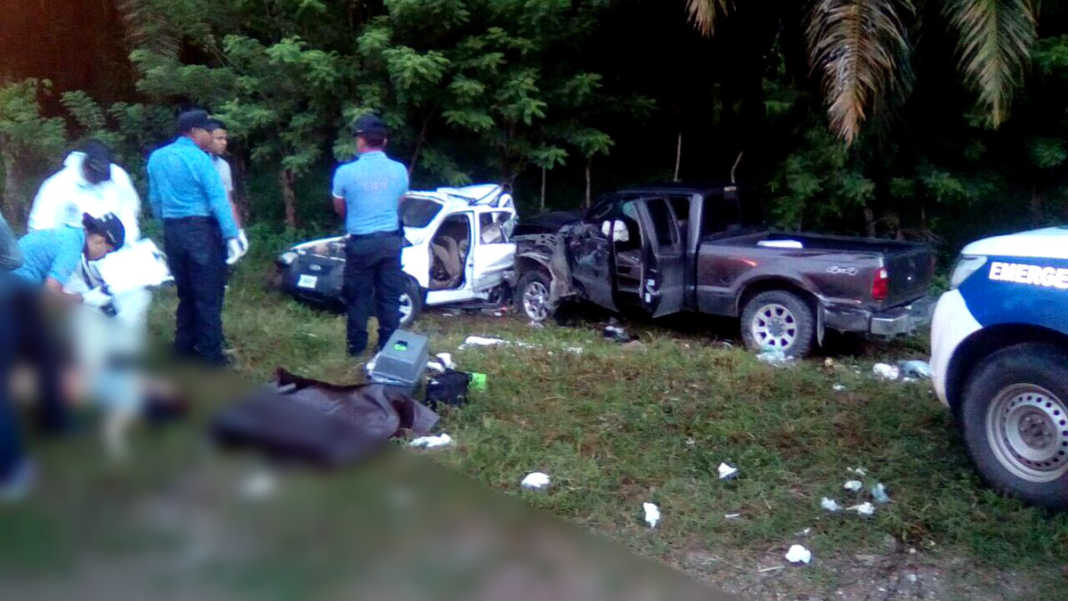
(1019, 290)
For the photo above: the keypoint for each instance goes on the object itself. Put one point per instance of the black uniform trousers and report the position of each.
(373, 276)
(196, 255)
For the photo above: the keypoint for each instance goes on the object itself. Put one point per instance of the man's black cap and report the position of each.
(194, 119)
(107, 225)
(97, 162)
(369, 124)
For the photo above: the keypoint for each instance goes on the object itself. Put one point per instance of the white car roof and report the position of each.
(481, 197)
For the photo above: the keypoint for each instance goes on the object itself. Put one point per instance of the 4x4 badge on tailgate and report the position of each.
(839, 270)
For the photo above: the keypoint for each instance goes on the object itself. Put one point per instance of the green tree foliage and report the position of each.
(30, 143)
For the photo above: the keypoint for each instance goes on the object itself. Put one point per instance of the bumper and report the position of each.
(903, 320)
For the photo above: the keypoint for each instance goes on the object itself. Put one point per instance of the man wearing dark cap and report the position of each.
(367, 193)
(199, 234)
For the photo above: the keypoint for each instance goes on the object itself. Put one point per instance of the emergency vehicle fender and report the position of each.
(951, 325)
(416, 263)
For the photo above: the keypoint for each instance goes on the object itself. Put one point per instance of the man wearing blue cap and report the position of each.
(367, 193)
(199, 235)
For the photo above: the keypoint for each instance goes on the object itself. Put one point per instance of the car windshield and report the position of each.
(418, 212)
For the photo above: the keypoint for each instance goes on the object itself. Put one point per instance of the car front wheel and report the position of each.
(532, 295)
(1014, 416)
(411, 302)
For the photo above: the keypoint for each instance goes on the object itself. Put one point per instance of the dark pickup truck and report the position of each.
(668, 249)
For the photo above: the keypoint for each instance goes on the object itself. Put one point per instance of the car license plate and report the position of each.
(307, 281)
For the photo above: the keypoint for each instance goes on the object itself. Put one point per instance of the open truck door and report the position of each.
(590, 256)
(662, 287)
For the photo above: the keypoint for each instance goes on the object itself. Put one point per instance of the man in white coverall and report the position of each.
(109, 335)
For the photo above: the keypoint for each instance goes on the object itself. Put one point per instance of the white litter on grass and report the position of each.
(731, 516)
(535, 481)
(798, 554)
(915, 369)
(838, 388)
(726, 472)
(864, 508)
(574, 349)
(830, 504)
(259, 485)
(774, 356)
(878, 492)
(853, 485)
(431, 442)
(482, 341)
(652, 514)
(885, 371)
(446, 360)
(857, 470)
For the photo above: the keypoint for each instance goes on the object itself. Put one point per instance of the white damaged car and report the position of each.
(458, 248)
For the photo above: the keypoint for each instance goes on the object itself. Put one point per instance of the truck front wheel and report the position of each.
(778, 320)
(1014, 416)
(532, 295)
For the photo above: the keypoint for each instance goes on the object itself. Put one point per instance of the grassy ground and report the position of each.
(615, 427)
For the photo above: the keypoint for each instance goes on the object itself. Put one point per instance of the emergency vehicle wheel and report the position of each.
(411, 302)
(1014, 415)
(778, 320)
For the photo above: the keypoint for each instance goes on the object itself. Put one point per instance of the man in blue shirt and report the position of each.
(367, 193)
(199, 235)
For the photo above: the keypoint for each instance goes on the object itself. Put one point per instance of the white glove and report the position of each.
(233, 250)
(96, 297)
(242, 239)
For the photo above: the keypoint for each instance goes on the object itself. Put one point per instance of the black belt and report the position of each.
(193, 219)
(374, 235)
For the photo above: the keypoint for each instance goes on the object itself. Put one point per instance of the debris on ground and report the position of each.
(770, 569)
(915, 369)
(614, 331)
(838, 388)
(830, 504)
(853, 485)
(857, 470)
(774, 356)
(731, 516)
(798, 554)
(576, 350)
(864, 508)
(633, 345)
(431, 442)
(652, 514)
(878, 492)
(535, 481)
(482, 341)
(537, 325)
(886, 371)
(259, 485)
(727, 472)
(478, 381)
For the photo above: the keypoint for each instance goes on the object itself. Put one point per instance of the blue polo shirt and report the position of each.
(54, 253)
(183, 182)
(372, 187)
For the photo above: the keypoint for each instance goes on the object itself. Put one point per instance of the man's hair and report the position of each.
(374, 139)
(214, 124)
(192, 119)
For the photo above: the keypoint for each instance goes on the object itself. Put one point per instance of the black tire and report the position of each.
(1014, 418)
(532, 295)
(414, 295)
(780, 320)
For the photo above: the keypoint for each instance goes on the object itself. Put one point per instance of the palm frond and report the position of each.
(860, 49)
(996, 37)
(705, 13)
(147, 28)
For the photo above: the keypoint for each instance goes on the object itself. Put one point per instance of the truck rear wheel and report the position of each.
(1014, 417)
(778, 320)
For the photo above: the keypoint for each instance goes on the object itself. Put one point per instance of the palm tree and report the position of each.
(861, 50)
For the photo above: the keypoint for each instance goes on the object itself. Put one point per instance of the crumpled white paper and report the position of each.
(798, 554)
(853, 485)
(885, 371)
(431, 442)
(535, 481)
(830, 504)
(652, 514)
(864, 508)
(727, 472)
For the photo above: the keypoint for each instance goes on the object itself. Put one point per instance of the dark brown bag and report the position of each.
(321, 422)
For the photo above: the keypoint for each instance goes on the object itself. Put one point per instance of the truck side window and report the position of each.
(667, 230)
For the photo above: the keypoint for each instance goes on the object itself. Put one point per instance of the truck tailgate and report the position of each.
(910, 271)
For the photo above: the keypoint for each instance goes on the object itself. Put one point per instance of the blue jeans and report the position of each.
(10, 441)
(373, 276)
(196, 256)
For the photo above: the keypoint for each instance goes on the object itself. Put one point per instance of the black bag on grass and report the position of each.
(449, 388)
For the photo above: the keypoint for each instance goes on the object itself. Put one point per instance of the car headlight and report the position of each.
(287, 258)
(965, 267)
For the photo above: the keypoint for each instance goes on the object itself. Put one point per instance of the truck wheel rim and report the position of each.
(774, 326)
(536, 301)
(1027, 428)
(405, 306)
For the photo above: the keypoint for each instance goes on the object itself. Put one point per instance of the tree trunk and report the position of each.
(678, 157)
(1036, 205)
(240, 168)
(541, 205)
(289, 196)
(589, 166)
(869, 222)
(418, 146)
(13, 209)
